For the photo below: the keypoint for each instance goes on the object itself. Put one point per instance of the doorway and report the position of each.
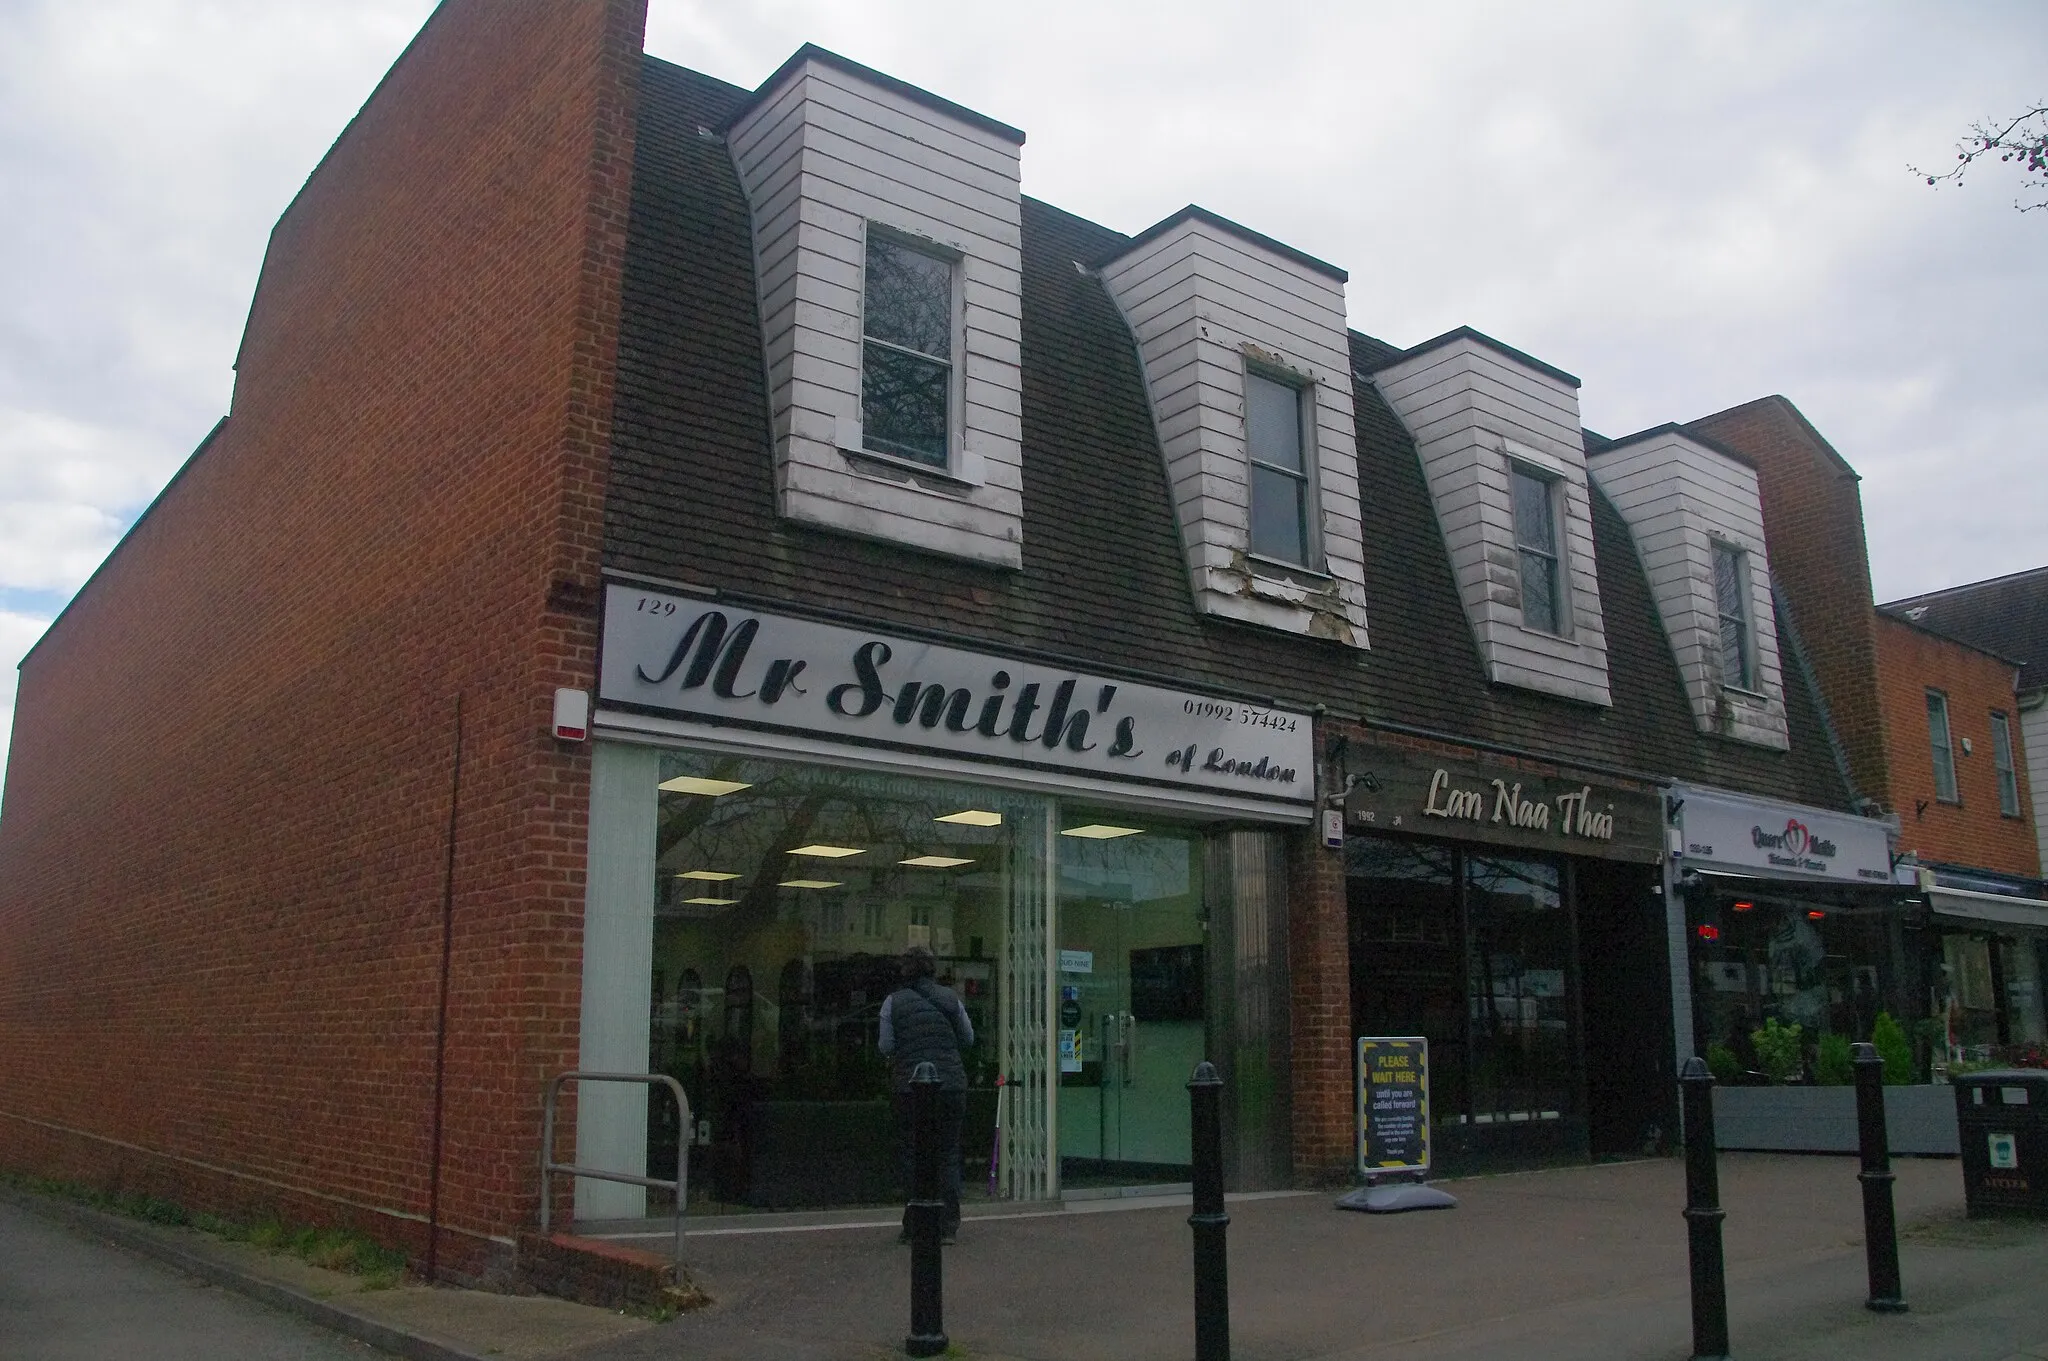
(1631, 1090)
(1132, 1001)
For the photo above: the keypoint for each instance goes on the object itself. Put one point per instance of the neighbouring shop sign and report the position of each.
(1393, 1105)
(714, 663)
(1777, 841)
(1395, 790)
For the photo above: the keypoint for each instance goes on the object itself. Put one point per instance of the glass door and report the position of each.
(1131, 1004)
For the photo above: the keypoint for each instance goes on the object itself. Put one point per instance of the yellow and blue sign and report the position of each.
(1393, 1105)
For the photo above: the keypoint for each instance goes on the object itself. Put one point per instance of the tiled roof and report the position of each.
(1104, 581)
(2006, 615)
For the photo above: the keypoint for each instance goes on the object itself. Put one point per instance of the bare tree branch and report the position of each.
(2022, 142)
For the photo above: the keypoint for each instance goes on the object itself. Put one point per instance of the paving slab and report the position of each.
(1567, 1263)
(427, 1323)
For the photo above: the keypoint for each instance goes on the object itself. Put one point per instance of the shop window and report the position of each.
(1827, 970)
(1731, 594)
(1279, 472)
(1537, 548)
(907, 351)
(1473, 952)
(2001, 758)
(1943, 746)
(784, 897)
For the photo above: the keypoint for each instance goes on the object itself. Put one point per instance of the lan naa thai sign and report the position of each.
(1402, 791)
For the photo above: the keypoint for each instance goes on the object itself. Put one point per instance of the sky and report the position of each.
(1686, 205)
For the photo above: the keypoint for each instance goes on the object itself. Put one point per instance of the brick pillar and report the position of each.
(1319, 959)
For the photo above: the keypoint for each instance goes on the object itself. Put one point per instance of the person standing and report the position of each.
(924, 1022)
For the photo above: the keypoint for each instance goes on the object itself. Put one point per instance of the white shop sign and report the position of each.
(712, 663)
(1780, 841)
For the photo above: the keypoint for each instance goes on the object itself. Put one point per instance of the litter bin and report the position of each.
(2002, 1121)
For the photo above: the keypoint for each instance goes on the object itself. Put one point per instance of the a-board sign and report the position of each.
(1393, 1104)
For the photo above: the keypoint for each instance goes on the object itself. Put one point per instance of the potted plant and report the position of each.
(1820, 1116)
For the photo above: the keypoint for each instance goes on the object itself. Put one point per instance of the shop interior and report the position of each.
(785, 896)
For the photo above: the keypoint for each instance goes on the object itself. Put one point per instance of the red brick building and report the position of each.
(1930, 728)
(1230, 689)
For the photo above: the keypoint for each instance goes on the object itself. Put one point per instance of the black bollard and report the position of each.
(1880, 1227)
(926, 1214)
(1703, 1216)
(1212, 1263)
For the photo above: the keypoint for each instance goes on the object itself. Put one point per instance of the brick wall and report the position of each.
(222, 859)
(1319, 967)
(1912, 661)
(1813, 525)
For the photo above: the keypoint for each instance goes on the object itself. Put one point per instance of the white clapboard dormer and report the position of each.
(1503, 453)
(1247, 369)
(1696, 514)
(887, 253)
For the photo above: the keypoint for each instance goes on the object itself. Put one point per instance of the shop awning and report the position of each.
(1958, 904)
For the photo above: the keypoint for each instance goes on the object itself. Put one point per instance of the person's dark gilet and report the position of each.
(921, 1015)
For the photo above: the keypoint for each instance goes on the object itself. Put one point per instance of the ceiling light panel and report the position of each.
(811, 883)
(1101, 831)
(710, 902)
(696, 784)
(973, 817)
(709, 876)
(937, 862)
(825, 852)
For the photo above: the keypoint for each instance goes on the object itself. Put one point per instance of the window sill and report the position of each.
(893, 468)
(1280, 568)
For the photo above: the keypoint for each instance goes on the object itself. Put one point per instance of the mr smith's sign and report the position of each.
(710, 663)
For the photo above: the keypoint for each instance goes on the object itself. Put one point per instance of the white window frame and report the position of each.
(1304, 391)
(1560, 587)
(1943, 748)
(1746, 619)
(955, 366)
(2004, 760)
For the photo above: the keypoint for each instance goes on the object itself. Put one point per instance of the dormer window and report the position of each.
(1248, 372)
(1696, 513)
(1273, 431)
(1535, 500)
(1731, 589)
(887, 229)
(906, 351)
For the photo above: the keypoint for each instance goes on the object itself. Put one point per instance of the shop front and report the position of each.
(1514, 919)
(1792, 915)
(1991, 960)
(781, 806)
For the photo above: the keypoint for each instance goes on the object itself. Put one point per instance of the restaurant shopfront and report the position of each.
(1514, 918)
(1791, 914)
(781, 805)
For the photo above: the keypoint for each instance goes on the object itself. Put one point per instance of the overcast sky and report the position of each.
(1689, 205)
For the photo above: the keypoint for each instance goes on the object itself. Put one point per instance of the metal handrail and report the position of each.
(548, 1166)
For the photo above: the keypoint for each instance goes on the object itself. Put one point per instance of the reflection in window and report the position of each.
(1943, 746)
(2002, 764)
(1519, 958)
(906, 355)
(1731, 589)
(1279, 469)
(1536, 549)
(782, 907)
(1407, 963)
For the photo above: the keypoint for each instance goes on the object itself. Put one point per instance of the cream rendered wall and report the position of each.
(1679, 496)
(1473, 410)
(1203, 302)
(618, 970)
(824, 154)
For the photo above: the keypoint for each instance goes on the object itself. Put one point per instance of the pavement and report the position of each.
(1582, 1262)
